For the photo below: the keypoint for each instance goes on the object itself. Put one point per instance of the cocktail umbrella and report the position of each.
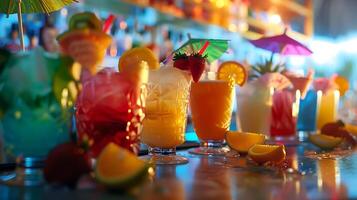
(214, 50)
(285, 45)
(282, 44)
(31, 6)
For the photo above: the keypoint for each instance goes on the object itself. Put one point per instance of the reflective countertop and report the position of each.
(223, 178)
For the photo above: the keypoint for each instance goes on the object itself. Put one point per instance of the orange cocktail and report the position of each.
(211, 105)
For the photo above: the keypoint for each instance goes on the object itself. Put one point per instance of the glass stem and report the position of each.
(211, 144)
(162, 151)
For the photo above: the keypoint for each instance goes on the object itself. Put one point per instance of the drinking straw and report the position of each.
(19, 18)
(108, 22)
(204, 48)
(168, 58)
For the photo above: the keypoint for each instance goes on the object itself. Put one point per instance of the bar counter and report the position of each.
(223, 178)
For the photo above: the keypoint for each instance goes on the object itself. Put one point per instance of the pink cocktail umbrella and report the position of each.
(282, 44)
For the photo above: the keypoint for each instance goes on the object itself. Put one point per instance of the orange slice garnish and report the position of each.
(261, 153)
(133, 57)
(241, 141)
(232, 70)
(342, 83)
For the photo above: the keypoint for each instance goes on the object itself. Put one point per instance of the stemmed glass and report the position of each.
(166, 114)
(211, 108)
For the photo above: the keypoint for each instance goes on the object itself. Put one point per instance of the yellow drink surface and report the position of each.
(328, 108)
(164, 130)
(211, 106)
(166, 108)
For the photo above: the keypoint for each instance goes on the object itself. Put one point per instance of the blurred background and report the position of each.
(326, 26)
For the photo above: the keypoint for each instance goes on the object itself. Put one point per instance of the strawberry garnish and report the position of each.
(197, 66)
(181, 61)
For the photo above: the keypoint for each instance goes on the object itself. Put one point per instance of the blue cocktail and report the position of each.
(307, 112)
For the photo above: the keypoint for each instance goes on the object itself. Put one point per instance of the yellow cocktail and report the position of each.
(328, 108)
(166, 108)
(211, 105)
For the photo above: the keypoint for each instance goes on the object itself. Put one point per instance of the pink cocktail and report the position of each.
(110, 109)
(284, 113)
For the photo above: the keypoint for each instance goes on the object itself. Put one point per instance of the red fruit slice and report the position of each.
(330, 128)
(196, 66)
(182, 64)
(65, 164)
(336, 129)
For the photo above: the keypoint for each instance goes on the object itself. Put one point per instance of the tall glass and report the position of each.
(166, 114)
(328, 107)
(254, 103)
(35, 111)
(284, 114)
(211, 106)
(110, 109)
(308, 113)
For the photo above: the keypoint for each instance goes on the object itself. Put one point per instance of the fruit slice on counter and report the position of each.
(232, 69)
(134, 56)
(241, 141)
(351, 129)
(325, 141)
(118, 168)
(65, 164)
(339, 129)
(261, 153)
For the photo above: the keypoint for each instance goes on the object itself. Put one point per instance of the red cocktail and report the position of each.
(110, 109)
(284, 113)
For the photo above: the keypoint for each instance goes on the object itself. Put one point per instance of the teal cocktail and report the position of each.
(37, 94)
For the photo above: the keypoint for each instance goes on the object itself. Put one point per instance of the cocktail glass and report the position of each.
(166, 114)
(348, 109)
(254, 103)
(33, 119)
(328, 108)
(211, 107)
(110, 109)
(284, 114)
(308, 109)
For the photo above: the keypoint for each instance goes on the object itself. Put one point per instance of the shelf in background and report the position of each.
(176, 17)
